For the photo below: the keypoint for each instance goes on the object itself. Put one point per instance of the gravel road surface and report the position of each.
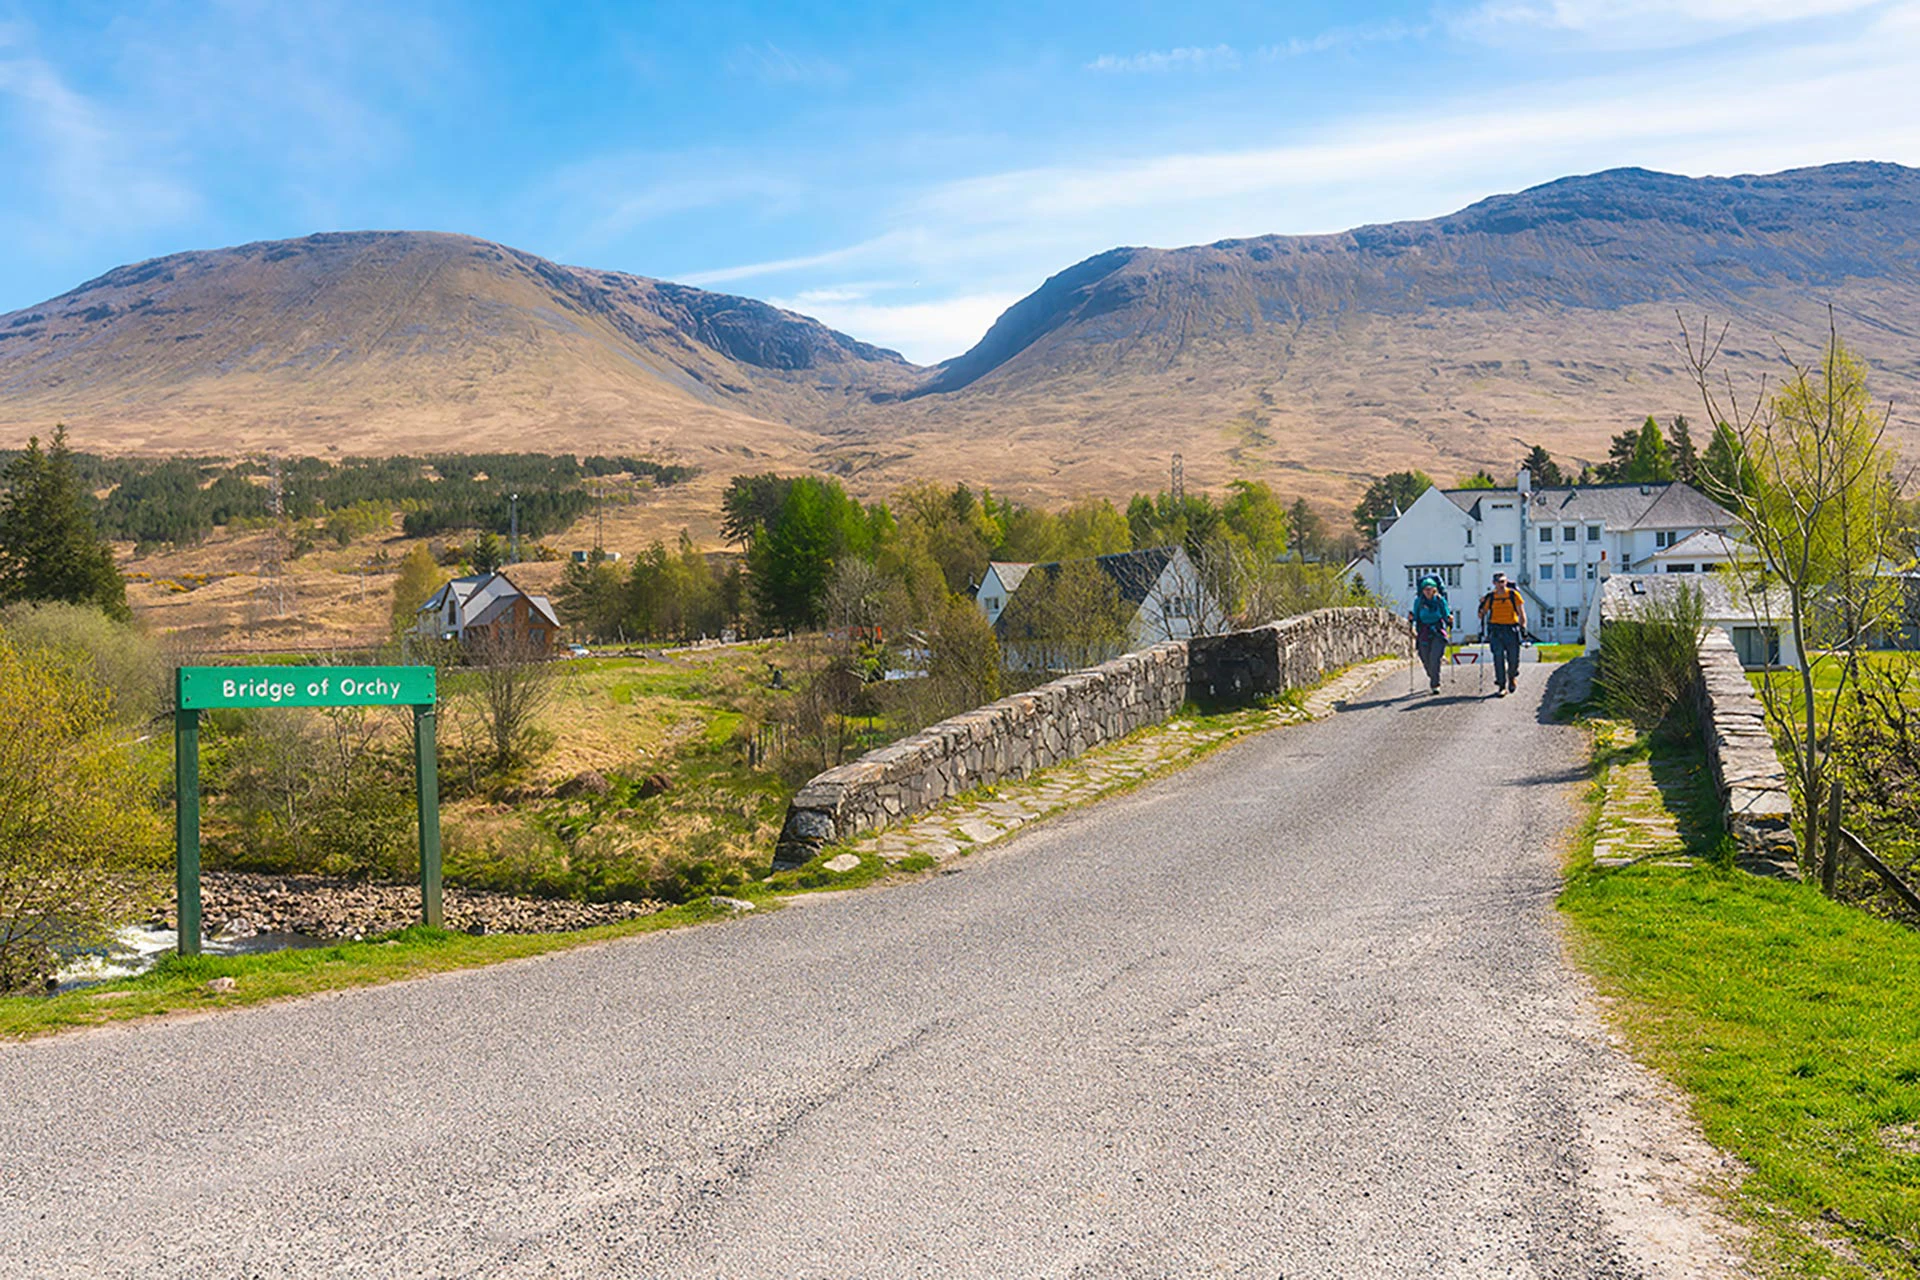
(1298, 1011)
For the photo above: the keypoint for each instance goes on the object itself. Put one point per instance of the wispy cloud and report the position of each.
(83, 169)
(985, 239)
(1649, 24)
(875, 248)
(609, 197)
(1220, 57)
(771, 64)
(1341, 38)
(924, 332)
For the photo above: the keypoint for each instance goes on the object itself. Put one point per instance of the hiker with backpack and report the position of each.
(1503, 617)
(1431, 619)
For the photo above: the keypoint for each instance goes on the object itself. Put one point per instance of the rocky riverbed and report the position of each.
(237, 904)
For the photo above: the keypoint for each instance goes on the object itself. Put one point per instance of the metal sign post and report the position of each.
(201, 688)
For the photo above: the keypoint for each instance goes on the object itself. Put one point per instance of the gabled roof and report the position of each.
(1620, 507)
(1135, 572)
(1682, 506)
(483, 597)
(1702, 543)
(1011, 572)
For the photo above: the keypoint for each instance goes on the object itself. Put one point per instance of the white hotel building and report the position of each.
(1558, 545)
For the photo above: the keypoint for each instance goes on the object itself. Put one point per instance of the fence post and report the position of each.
(1830, 869)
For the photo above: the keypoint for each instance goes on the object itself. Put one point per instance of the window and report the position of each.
(1503, 553)
(1449, 574)
(1679, 568)
(1546, 533)
(1664, 538)
(1591, 574)
(1569, 571)
(1469, 537)
(1593, 533)
(1571, 617)
(990, 602)
(1568, 532)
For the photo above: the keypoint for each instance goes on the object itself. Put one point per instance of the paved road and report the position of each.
(1298, 1011)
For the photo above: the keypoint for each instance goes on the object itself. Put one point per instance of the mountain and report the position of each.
(378, 342)
(1547, 316)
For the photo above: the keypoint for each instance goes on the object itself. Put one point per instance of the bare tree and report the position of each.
(1820, 514)
(513, 682)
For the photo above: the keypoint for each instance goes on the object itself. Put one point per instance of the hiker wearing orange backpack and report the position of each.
(1503, 616)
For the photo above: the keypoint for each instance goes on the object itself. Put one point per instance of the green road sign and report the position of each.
(203, 687)
(200, 688)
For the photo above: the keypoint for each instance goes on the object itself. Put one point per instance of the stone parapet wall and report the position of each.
(1241, 666)
(1010, 738)
(1752, 781)
(1029, 731)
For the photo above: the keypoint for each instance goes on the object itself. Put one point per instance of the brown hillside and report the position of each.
(1546, 316)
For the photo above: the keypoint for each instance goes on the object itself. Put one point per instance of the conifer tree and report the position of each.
(50, 548)
(1652, 461)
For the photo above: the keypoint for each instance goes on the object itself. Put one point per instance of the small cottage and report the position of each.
(488, 607)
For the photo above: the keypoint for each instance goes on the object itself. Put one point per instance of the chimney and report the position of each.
(1524, 482)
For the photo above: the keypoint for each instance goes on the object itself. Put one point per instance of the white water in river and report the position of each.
(137, 948)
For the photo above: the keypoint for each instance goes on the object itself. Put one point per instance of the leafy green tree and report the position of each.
(1824, 520)
(963, 657)
(792, 560)
(1725, 474)
(961, 532)
(1193, 521)
(1545, 471)
(750, 504)
(1393, 492)
(420, 576)
(1255, 517)
(121, 656)
(1481, 479)
(1092, 527)
(49, 546)
(82, 847)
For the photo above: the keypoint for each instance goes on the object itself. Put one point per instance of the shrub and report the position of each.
(1647, 662)
(81, 845)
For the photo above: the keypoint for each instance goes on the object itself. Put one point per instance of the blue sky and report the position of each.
(902, 172)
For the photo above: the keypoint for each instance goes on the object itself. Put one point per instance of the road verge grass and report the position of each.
(1791, 1023)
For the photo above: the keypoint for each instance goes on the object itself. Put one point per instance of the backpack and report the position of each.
(1439, 602)
(1511, 599)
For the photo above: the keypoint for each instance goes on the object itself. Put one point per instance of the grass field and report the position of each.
(1789, 1021)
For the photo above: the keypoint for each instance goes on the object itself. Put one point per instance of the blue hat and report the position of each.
(1430, 581)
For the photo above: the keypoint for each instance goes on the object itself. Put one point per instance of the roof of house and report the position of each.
(1625, 594)
(483, 597)
(1620, 507)
(1011, 572)
(1701, 544)
(1133, 574)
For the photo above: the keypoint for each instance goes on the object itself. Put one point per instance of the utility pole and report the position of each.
(513, 543)
(1178, 478)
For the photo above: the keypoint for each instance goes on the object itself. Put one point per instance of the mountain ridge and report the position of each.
(1540, 316)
